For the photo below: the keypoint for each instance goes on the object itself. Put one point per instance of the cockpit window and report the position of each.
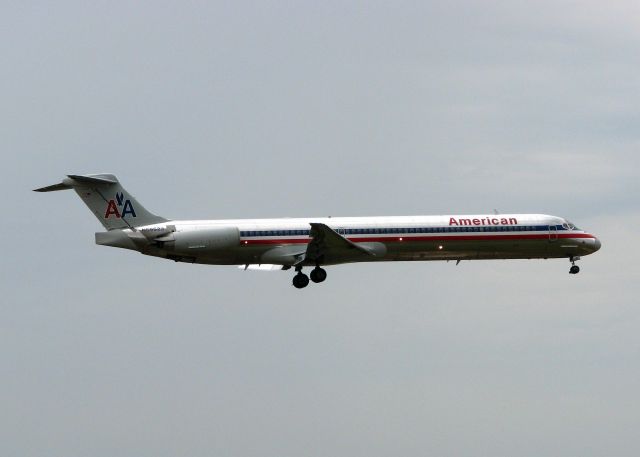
(569, 225)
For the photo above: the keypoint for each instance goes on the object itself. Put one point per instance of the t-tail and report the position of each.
(114, 207)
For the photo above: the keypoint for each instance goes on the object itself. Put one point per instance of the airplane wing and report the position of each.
(327, 242)
(325, 246)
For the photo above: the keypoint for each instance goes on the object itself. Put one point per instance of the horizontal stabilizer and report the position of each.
(79, 181)
(54, 187)
(92, 179)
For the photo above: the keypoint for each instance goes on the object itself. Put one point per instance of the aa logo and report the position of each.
(119, 207)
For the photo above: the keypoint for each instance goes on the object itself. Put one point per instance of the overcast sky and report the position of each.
(269, 109)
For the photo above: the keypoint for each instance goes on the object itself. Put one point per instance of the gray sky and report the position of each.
(218, 110)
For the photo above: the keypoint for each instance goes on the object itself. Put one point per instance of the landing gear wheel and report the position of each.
(300, 281)
(318, 274)
(575, 269)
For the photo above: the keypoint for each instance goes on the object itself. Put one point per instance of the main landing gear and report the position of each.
(318, 274)
(301, 280)
(575, 269)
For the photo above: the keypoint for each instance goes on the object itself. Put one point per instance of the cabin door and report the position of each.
(553, 233)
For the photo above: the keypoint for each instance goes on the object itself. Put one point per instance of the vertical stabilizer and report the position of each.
(114, 207)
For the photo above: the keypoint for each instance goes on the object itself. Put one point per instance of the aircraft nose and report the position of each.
(592, 244)
(596, 244)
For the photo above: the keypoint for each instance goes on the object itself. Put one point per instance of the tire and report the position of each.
(300, 281)
(318, 274)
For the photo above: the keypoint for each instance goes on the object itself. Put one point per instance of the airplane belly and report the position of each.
(464, 249)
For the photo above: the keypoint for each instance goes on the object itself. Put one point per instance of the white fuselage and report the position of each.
(395, 238)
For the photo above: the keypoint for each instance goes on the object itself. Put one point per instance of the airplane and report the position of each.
(322, 241)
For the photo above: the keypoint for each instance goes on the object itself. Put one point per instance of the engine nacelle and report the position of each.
(204, 240)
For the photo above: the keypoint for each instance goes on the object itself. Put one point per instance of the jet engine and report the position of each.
(201, 240)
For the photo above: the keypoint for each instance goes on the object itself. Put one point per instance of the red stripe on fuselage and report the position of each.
(405, 238)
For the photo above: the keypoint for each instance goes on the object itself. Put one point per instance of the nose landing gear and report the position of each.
(575, 269)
